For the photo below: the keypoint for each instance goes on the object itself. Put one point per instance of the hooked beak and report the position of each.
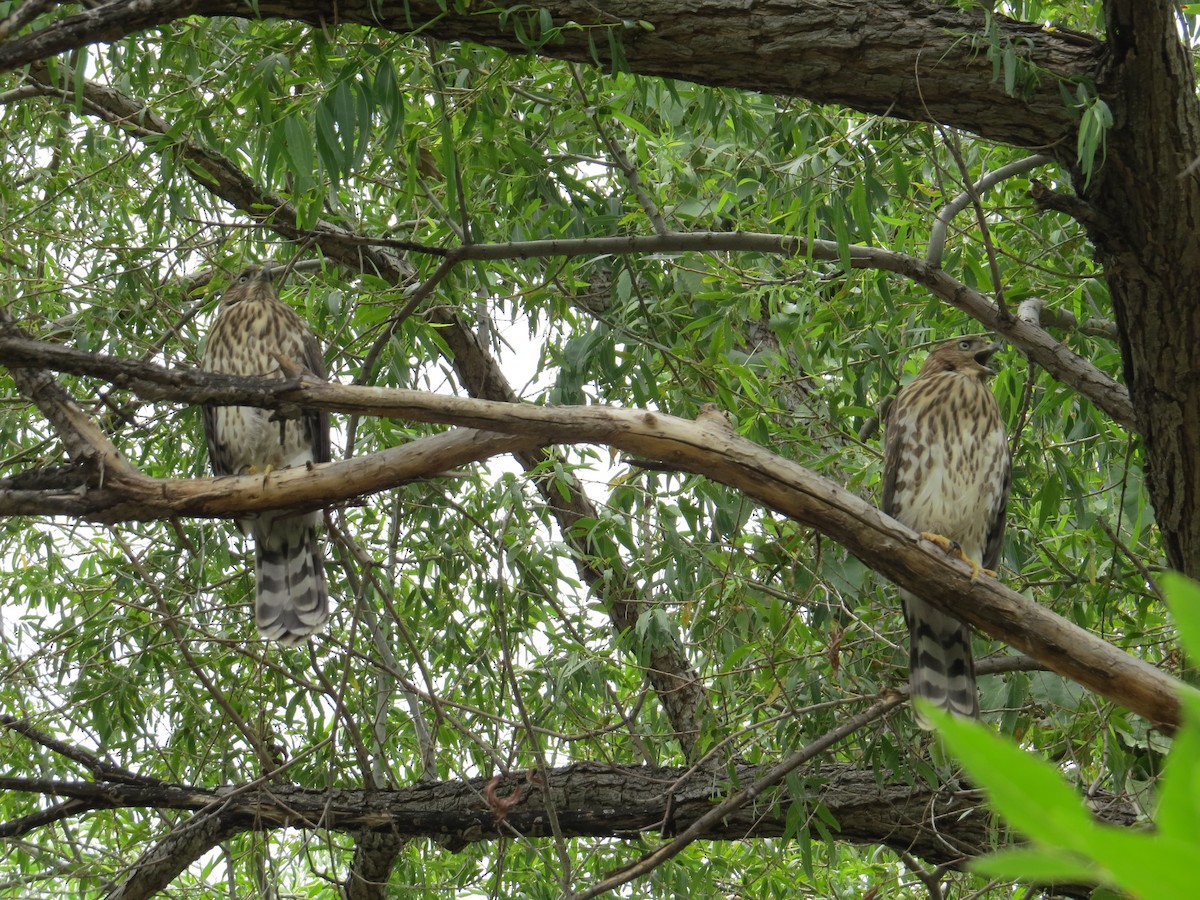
(984, 356)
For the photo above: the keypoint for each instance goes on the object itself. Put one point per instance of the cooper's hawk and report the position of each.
(253, 330)
(946, 471)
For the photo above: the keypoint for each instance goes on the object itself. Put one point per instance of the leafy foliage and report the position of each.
(465, 626)
(1068, 845)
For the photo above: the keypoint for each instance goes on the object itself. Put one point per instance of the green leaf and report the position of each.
(1183, 598)
(298, 147)
(1029, 792)
(1036, 865)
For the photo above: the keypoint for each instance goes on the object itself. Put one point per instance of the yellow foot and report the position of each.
(255, 470)
(954, 548)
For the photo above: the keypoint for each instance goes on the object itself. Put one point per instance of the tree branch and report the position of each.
(918, 61)
(707, 447)
(987, 181)
(733, 803)
(85, 443)
(375, 855)
(86, 758)
(592, 800)
(1061, 362)
(178, 849)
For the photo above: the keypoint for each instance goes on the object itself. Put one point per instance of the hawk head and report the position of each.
(966, 355)
(252, 283)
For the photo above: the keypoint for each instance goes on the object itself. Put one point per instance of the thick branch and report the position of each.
(591, 799)
(178, 849)
(708, 447)
(1146, 229)
(375, 855)
(912, 60)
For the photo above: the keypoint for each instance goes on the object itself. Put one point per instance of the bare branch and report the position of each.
(14, 828)
(937, 234)
(1035, 311)
(93, 763)
(707, 447)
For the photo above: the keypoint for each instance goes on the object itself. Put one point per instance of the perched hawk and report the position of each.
(254, 328)
(946, 472)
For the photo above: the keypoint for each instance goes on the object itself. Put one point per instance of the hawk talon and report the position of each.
(954, 548)
(948, 545)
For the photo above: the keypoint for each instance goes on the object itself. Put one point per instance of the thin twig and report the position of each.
(99, 768)
(628, 169)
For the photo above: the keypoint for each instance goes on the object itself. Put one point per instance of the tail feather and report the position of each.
(941, 667)
(291, 599)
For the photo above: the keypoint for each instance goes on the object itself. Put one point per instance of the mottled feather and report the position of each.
(947, 471)
(252, 331)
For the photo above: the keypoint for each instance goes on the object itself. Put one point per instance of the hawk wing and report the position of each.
(316, 423)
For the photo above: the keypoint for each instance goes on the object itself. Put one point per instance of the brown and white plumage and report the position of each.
(946, 470)
(253, 329)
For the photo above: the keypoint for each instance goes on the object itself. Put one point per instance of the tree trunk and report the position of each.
(1147, 236)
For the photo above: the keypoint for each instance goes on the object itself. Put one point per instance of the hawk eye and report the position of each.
(244, 277)
(964, 345)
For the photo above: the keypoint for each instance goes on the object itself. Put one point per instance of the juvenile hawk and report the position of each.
(254, 328)
(946, 471)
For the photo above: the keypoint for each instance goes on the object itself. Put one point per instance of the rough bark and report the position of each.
(591, 800)
(1147, 234)
(177, 850)
(921, 61)
(375, 854)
